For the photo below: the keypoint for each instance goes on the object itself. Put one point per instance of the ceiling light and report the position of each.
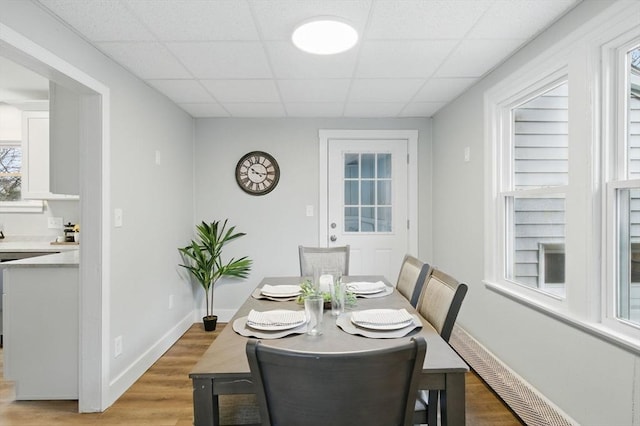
(324, 36)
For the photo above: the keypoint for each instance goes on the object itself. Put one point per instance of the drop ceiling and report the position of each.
(234, 58)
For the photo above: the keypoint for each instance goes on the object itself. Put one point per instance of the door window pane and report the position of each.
(351, 166)
(368, 193)
(384, 166)
(384, 219)
(351, 219)
(351, 193)
(384, 192)
(368, 166)
(367, 222)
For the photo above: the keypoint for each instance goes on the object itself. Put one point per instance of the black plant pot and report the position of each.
(210, 322)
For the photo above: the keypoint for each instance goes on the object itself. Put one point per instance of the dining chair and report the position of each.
(413, 274)
(325, 257)
(296, 388)
(439, 303)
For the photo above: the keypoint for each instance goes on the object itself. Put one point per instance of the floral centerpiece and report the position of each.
(307, 289)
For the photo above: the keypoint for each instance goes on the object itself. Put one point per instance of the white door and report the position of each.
(368, 203)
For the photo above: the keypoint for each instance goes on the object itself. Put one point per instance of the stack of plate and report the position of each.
(366, 287)
(278, 319)
(280, 290)
(382, 319)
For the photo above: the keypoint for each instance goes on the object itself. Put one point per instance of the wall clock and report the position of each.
(257, 173)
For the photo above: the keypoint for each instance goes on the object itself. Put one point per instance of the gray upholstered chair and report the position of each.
(340, 389)
(439, 303)
(413, 274)
(325, 257)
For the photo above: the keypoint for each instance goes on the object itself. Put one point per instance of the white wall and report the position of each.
(276, 223)
(157, 200)
(589, 379)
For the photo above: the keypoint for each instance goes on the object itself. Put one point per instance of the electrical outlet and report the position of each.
(117, 347)
(171, 301)
(55, 223)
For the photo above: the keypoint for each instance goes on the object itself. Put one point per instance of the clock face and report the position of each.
(257, 173)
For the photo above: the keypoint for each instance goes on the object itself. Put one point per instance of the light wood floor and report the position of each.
(163, 396)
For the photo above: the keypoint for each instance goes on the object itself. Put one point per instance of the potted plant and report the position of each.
(203, 258)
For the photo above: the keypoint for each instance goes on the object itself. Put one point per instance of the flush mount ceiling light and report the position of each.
(324, 36)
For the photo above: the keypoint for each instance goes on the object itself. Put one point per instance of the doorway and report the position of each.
(368, 197)
(93, 171)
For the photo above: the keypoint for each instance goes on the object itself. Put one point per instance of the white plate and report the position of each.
(372, 291)
(274, 327)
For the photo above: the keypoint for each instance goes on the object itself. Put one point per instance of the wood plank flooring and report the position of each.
(163, 396)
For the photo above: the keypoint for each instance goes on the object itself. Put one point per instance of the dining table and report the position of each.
(223, 369)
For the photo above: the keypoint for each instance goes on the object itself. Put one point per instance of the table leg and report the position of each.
(453, 401)
(205, 403)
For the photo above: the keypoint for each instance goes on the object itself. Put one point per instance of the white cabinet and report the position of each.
(35, 154)
(64, 152)
(41, 331)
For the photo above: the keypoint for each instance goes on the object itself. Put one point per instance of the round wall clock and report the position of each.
(257, 173)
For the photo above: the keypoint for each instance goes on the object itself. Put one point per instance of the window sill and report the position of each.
(30, 206)
(594, 329)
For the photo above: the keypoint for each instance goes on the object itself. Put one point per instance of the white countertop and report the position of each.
(38, 246)
(65, 258)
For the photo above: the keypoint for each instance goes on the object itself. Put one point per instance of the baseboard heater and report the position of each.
(522, 398)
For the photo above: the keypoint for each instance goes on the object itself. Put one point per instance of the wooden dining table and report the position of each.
(223, 369)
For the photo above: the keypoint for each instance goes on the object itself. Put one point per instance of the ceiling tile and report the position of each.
(473, 58)
(243, 90)
(518, 19)
(396, 59)
(100, 20)
(182, 90)
(223, 59)
(204, 109)
(443, 89)
(419, 19)
(278, 18)
(314, 90)
(421, 109)
(196, 20)
(384, 90)
(373, 109)
(289, 62)
(145, 59)
(255, 109)
(314, 109)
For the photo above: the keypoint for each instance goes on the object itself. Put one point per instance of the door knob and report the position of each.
(333, 238)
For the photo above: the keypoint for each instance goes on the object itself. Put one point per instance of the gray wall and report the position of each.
(157, 200)
(276, 223)
(588, 378)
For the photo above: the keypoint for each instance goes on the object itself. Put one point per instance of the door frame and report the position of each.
(94, 268)
(411, 136)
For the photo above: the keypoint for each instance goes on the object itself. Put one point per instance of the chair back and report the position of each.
(340, 389)
(323, 257)
(413, 274)
(440, 301)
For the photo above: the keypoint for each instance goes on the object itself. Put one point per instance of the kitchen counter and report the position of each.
(34, 246)
(70, 257)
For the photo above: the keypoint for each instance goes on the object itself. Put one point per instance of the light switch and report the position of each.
(467, 154)
(309, 211)
(158, 158)
(117, 218)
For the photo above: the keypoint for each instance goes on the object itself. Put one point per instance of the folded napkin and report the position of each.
(365, 287)
(275, 290)
(279, 317)
(381, 316)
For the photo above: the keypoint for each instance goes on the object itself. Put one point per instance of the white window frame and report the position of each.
(499, 106)
(615, 89)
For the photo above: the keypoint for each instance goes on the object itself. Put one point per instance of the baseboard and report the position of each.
(128, 377)
(527, 402)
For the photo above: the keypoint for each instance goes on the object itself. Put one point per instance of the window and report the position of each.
(626, 189)
(533, 188)
(10, 171)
